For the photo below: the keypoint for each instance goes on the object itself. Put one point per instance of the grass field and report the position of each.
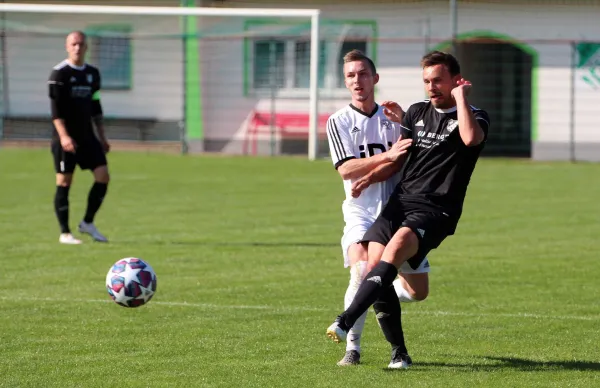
(250, 275)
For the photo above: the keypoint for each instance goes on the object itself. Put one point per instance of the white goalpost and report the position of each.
(20, 29)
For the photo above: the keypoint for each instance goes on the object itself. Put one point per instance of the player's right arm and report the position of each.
(342, 153)
(381, 173)
(56, 92)
(387, 170)
(384, 171)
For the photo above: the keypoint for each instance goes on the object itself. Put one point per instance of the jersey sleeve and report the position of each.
(340, 143)
(96, 105)
(56, 92)
(483, 119)
(407, 125)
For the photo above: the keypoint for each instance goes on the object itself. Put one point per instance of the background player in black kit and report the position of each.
(75, 104)
(448, 136)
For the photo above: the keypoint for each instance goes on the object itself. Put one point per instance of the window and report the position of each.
(269, 70)
(302, 64)
(110, 51)
(282, 63)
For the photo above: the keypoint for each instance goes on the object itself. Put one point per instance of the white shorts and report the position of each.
(355, 231)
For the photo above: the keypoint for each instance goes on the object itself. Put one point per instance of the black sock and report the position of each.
(95, 198)
(388, 310)
(376, 281)
(61, 207)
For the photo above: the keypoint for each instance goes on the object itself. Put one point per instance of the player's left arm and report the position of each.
(98, 115)
(472, 127)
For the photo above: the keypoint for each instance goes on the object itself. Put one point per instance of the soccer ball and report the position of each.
(131, 282)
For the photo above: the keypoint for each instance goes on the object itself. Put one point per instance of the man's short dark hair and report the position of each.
(357, 55)
(441, 58)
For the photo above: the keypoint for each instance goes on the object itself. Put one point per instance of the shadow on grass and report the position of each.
(497, 363)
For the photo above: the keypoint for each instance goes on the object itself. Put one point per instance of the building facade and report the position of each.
(240, 84)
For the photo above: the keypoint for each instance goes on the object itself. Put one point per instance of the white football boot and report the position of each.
(90, 229)
(400, 360)
(67, 238)
(336, 333)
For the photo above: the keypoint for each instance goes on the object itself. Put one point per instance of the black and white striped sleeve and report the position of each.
(340, 143)
(406, 128)
(483, 119)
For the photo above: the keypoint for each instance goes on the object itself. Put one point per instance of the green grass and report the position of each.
(250, 274)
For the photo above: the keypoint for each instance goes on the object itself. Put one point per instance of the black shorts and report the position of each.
(430, 227)
(87, 156)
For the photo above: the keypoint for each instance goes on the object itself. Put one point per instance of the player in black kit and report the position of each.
(448, 135)
(73, 89)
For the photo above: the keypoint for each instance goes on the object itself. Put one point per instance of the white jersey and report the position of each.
(354, 134)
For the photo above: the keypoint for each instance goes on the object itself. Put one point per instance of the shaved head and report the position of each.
(76, 35)
(76, 46)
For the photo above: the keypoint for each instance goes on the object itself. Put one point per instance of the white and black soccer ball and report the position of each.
(131, 282)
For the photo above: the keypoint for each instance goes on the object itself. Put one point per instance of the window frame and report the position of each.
(332, 75)
(96, 33)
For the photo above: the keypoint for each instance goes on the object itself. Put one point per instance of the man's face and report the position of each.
(359, 80)
(76, 47)
(439, 84)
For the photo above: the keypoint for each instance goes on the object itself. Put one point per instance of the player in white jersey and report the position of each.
(363, 142)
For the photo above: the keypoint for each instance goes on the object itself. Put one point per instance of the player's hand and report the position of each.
(359, 185)
(68, 144)
(462, 89)
(105, 146)
(398, 149)
(393, 111)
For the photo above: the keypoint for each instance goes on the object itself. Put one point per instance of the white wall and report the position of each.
(157, 74)
(225, 107)
(547, 29)
(157, 90)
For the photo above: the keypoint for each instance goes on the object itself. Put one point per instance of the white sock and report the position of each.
(403, 294)
(356, 276)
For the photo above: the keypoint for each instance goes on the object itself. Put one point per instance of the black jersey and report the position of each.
(74, 97)
(437, 171)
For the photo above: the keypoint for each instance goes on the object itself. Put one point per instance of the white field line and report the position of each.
(296, 309)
